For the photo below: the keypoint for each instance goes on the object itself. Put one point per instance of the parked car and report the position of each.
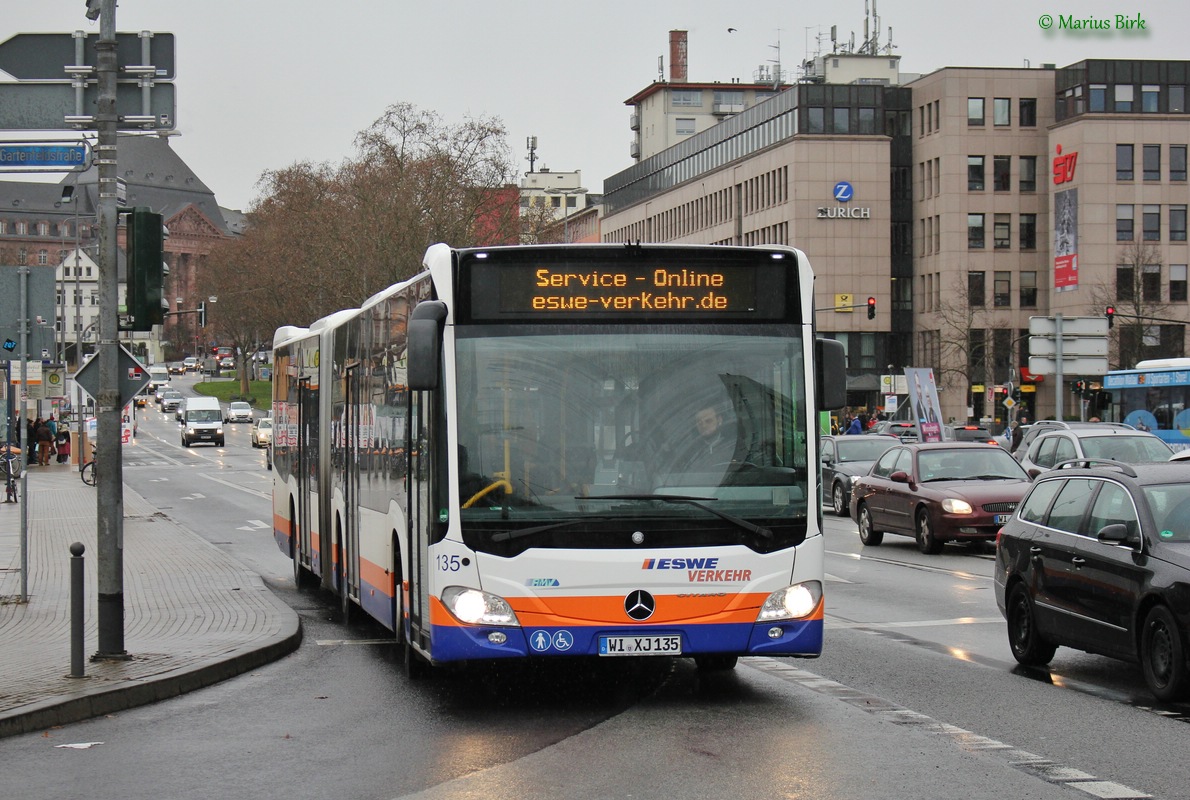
(239, 411)
(843, 459)
(938, 492)
(171, 400)
(902, 429)
(262, 432)
(1094, 442)
(1099, 560)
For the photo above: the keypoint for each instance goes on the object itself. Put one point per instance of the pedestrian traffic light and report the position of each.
(202, 314)
(1110, 313)
(871, 308)
(146, 270)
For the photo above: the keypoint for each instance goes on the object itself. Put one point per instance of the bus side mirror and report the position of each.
(424, 345)
(831, 360)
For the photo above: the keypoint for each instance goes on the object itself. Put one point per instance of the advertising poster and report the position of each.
(1066, 240)
(923, 399)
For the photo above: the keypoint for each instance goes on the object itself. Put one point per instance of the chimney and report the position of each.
(677, 56)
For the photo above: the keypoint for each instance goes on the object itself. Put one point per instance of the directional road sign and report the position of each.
(43, 56)
(1071, 326)
(1082, 365)
(44, 106)
(44, 156)
(1071, 347)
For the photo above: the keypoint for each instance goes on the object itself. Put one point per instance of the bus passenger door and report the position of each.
(307, 461)
(351, 466)
(422, 516)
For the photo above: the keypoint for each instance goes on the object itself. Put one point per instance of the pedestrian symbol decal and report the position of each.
(540, 641)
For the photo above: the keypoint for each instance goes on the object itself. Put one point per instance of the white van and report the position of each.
(157, 376)
(203, 421)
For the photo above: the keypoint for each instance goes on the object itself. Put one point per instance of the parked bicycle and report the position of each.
(10, 470)
(87, 471)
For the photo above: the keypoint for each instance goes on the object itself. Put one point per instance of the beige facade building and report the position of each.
(937, 197)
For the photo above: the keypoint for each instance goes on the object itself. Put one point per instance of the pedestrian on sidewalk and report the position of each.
(63, 447)
(31, 439)
(45, 442)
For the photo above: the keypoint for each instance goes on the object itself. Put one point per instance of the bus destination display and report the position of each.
(704, 289)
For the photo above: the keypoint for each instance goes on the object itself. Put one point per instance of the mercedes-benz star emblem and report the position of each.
(640, 605)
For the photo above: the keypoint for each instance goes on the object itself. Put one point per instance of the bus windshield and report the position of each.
(582, 426)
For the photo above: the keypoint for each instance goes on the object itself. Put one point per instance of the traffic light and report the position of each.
(1080, 387)
(871, 308)
(202, 314)
(146, 270)
(1110, 313)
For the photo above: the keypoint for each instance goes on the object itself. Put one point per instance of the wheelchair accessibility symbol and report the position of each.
(844, 192)
(542, 641)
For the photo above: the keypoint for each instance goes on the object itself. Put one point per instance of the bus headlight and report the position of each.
(952, 506)
(792, 602)
(478, 608)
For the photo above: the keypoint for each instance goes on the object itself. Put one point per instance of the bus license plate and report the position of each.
(1002, 519)
(670, 645)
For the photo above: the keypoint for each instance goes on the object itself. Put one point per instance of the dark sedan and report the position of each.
(1099, 560)
(845, 458)
(938, 492)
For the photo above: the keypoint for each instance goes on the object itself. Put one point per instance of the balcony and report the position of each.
(634, 149)
(727, 109)
(634, 122)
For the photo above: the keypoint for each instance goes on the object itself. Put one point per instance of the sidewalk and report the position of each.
(193, 616)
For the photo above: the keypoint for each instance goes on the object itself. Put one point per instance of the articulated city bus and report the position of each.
(560, 451)
(1155, 396)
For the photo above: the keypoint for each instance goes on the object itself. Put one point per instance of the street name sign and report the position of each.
(1081, 365)
(44, 56)
(1071, 347)
(1071, 326)
(44, 156)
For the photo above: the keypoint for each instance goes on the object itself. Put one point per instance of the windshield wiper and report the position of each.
(740, 522)
(507, 536)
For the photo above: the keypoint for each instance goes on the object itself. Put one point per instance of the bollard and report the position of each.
(76, 610)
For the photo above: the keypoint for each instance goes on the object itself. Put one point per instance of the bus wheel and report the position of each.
(715, 663)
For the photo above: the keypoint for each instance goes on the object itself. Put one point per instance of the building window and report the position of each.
(1001, 177)
(43, 257)
(1027, 114)
(842, 120)
(728, 97)
(1151, 283)
(22, 256)
(975, 231)
(1124, 223)
(685, 126)
(1177, 283)
(1028, 167)
(1002, 231)
(975, 111)
(867, 120)
(1001, 111)
(1124, 95)
(1148, 98)
(1125, 291)
(815, 119)
(1028, 231)
(1177, 223)
(1177, 99)
(1151, 222)
(1123, 162)
(1098, 97)
(1002, 289)
(1028, 290)
(975, 289)
(686, 97)
(975, 173)
(1151, 162)
(1177, 162)
(555, 202)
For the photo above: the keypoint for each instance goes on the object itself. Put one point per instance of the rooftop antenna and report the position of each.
(660, 69)
(531, 144)
(777, 61)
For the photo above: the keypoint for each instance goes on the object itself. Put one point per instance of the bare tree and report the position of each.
(1136, 296)
(966, 334)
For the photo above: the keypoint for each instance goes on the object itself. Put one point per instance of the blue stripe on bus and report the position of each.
(804, 638)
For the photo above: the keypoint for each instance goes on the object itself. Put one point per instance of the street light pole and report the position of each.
(566, 193)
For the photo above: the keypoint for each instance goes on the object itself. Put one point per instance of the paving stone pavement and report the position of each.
(192, 614)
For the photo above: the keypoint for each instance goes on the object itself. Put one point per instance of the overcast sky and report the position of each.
(262, 84)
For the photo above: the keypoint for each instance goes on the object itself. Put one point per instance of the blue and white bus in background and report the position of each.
(1155, 397)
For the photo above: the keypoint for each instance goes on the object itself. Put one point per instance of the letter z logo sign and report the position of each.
(844, 192)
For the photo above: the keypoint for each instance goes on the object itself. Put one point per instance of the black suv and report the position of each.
(1097, 557)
